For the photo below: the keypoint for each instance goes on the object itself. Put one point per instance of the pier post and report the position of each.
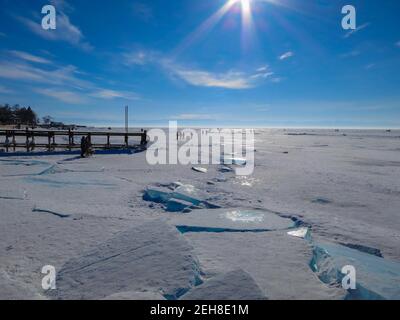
(49, 141)
(7, 141)
(27, 139)
(69, 140)
(14, 141)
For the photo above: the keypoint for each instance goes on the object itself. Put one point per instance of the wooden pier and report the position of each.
(29, 140)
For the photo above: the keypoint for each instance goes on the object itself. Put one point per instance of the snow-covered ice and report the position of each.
(233, 285)
(376, 278)
(150, 256)
(230, 220)
(115, 227)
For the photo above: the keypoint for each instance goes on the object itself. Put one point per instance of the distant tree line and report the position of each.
(17, 115)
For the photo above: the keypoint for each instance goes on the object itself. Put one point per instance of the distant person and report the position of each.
(83, 146)
(143, 140)
(89, 150)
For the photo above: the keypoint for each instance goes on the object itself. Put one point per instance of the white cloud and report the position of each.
(66, 31)
(263, 75)
(263, 68)
(231, 79)
(73, 89)
(351, 54)
(29, 57)
(112, 94)
(65, 76)
(136, 58)
(62, 95)
(277, 80)
(286, 55)
(352, 32)
(370, 66)
(19, 72)
(228, 80)
(5, 90)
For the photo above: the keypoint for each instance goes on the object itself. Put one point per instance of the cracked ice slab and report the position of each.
(277, 262)
(15, 168)
(376, 278)
(233, 285)
(177, 197)
(151, 257)
(132, 295)
(230, 220)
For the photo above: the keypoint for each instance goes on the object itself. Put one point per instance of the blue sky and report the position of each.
(204, 63)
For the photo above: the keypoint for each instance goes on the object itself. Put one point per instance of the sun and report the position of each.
(213, 20)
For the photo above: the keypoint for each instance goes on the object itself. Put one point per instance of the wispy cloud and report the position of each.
(113, 94)
(2, 34)
(5, 90)
(263, 68)
(262, 75)
(370, 66)
(29, 57)
(66, 82)
(263, 72)
(397, 44)
(66, 31)
(352, 32)
(351, 54)
(277, 80)
(228, 80)
(62, 95)
(139, 57)
(286, 55)
(66, 76)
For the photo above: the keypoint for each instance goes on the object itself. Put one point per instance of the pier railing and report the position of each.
(29, 140)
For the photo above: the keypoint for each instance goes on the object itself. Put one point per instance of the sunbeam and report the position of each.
(205, 27)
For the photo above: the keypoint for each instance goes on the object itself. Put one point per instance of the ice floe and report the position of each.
(178, 197)
(200, 169)
(376, 278)
(303, 233)
(150, 256)
(277, 262)
(230, 220)
(233, 285)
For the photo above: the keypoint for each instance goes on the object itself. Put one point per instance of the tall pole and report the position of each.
(126, 126)
(126, 119)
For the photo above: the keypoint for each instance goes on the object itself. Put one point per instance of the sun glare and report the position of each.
(246, 11)
(212, 21)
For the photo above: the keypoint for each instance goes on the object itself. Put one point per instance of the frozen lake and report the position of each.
(115, 226)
